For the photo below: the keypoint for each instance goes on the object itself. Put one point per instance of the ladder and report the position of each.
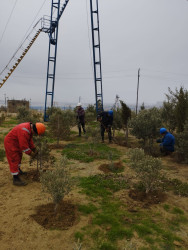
(20, 53)
(56, 11)
(96, 55)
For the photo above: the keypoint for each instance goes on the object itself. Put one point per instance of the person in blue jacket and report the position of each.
(167, 142)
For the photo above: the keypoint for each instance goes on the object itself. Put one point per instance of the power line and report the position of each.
(8, 20)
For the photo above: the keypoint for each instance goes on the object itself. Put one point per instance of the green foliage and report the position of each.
(182, 144)
(177, 186)
(142, 107)
(2, 154)
(168, 115)
(117, 119)
(57, 182)
(125, 114)
(26, 115)
(90, 113)
(86, 153)
(147, 169)
(60, 123)
(146, 124)
(44, 158)
(178, 104)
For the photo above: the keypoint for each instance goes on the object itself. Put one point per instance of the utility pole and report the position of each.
(5, 100)
(137, 91)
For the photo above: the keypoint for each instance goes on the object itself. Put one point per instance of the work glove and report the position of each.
(34, 153)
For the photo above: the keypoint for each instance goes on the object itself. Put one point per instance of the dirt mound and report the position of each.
(115, 167)
(64, 217)
(32, 176)
(150, 198)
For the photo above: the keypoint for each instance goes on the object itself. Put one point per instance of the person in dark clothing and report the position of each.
(167, 142)
(106, 120)
(80, 118)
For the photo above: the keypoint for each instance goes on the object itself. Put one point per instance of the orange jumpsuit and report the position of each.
(17, 141)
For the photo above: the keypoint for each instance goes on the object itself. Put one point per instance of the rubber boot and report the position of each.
(17, 181)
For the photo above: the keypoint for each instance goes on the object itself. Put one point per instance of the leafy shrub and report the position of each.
(57, 182)
(60, 124)
(146, 126)
(43, 157)
(147, 169)
(26, 115)
(182, 145)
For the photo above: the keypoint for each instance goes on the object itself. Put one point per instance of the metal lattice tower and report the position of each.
(56, 12)
(96, 54)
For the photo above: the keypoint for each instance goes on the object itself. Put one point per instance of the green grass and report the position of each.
(10, 121)
(166, 207)
(177, 210)
(79, 235)
(87, 209)
(101, 186)
(112, 222)
(88, 152)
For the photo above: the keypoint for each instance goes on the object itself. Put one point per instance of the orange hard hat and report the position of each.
(40, 128)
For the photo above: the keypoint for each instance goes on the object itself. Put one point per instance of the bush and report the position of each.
(147, 169)
(43, 157)
(146, 126)
(60, 124)
(26, 115)
(57, 182)
(182, 145)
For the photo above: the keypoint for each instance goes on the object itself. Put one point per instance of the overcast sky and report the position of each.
(148, 34)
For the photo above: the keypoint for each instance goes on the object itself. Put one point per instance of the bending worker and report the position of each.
(17, 141)
(167, 142)
(106, 120)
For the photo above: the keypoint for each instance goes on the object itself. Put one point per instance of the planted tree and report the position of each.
(43, 158)
(125, 116)
(147, 169)
(57, 182)
(26, 115)
(146, 126)
(60, 124)
(177, 104)
(182, 144)
(90, 113)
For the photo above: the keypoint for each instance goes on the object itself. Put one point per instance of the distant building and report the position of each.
(13, 105)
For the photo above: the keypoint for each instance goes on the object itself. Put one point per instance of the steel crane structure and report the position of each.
(50, 25)
(56, 12)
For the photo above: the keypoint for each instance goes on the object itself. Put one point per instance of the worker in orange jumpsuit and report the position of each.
(17, 141)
